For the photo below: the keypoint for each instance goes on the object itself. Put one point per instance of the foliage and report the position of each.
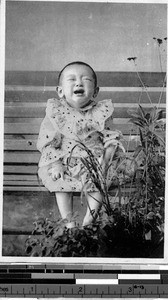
(129, 228)
(102, 177)
(150, 154)
(119, 235)
(52, 238)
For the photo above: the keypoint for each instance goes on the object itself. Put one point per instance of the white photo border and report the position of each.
(68, 260)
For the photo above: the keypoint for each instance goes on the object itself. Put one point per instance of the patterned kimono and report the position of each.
(62, 131)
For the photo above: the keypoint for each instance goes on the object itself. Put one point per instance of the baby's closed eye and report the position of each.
(71, 79)
(87, 78)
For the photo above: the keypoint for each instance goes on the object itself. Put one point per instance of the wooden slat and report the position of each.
(42, 105)
(20, 169)
(37, 110)
(44, 89)
(24, 128)
(116, 96)
(21, 157)
(26, 157)
(129, 142)
(21, 183)
(16, 187)
(25, 188)
(28, 137)
(23, 110)
(30, 128)
(38, 121)
(29, 145)
(15, 177)
(44, 78)
(12, 144)
(34, 121)
(23, 137)
(16, 129)
(125, 128)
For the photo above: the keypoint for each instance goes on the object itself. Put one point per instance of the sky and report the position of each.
(45, 36)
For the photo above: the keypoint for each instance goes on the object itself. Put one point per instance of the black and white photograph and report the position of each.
(84, 141)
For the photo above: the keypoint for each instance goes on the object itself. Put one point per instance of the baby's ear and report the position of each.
(59, 91)
(96, 91)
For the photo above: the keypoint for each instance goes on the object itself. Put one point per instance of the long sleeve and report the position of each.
(48, 135)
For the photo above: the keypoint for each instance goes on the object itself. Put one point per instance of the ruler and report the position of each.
(84, 291)
(53, 281)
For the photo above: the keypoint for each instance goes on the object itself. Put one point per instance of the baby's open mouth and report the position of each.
(79, 92)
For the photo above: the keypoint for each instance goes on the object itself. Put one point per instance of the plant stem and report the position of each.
(161, 94)
(160, 59)
(143, 84)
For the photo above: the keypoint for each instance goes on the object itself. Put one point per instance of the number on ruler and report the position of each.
(80, 290)
(130, 289)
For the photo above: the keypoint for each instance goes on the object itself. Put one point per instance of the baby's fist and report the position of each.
(57, 172)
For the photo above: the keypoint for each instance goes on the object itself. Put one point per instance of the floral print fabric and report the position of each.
(62, 129)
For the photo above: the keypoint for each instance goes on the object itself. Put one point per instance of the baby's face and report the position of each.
(77, 85)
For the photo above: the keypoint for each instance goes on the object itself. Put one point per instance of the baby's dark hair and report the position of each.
(78, 63)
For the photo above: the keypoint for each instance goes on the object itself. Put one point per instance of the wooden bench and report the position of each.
(26, 94)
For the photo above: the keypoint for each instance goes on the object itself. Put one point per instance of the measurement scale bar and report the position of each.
(103, 291)
(97, 281)
(52, 276)
(139, 276)
(54, 281)
(40, 281)
(96, 276)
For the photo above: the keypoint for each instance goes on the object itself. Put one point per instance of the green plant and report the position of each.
(148, 198)
(53, 239)
(118, 235)
(151, 151)
(102, 177)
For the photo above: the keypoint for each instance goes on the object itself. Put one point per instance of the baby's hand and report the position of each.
(57, 172)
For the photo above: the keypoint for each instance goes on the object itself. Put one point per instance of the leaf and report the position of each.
(142, 112)
(137, 121)
(148, 236)
(159, 114)
(150, 215)
(153, 114)
(130, 217)
(142, 138)
(58, 233)
(159, 215)
(133, 113)
(29, 249)
(148, 117)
